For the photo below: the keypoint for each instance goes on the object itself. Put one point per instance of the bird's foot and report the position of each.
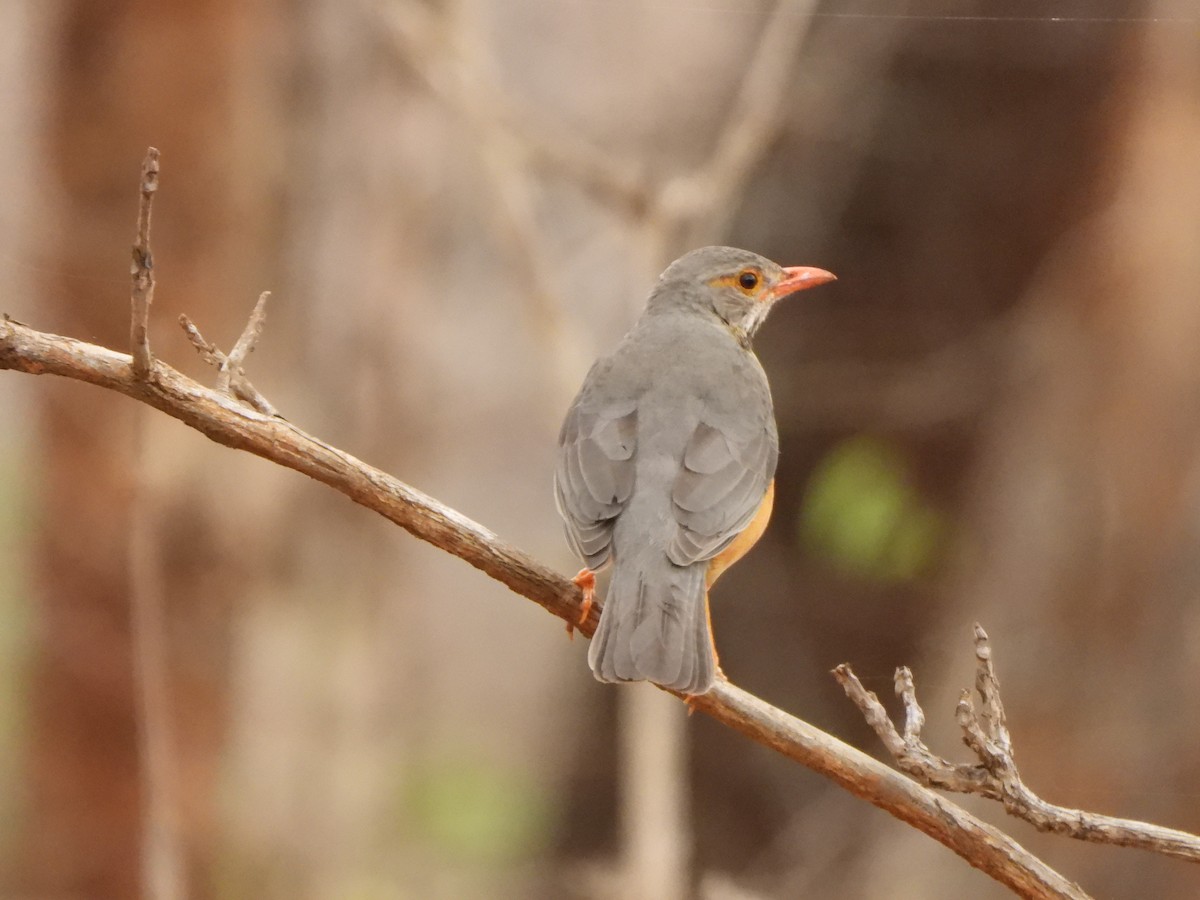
(586, 582)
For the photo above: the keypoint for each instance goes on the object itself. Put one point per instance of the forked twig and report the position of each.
(995, 775)
(231, 374)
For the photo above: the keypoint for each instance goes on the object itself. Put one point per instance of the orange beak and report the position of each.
(798, 278)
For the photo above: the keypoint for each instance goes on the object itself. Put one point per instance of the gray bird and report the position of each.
(666, 463)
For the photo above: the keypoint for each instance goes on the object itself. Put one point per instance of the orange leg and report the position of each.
(586, 581)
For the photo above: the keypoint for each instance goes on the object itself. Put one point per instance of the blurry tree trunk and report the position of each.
(131, 73)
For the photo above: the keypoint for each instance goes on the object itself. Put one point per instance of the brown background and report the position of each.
(1013, 208)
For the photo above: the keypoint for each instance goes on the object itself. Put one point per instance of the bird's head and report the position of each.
(738, 286)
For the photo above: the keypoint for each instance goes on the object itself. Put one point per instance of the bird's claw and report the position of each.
(586, 582)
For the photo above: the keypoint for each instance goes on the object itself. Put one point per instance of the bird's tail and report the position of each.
(654, 627)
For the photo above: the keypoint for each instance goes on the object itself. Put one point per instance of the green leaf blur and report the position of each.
(478, 812)
(863, 516)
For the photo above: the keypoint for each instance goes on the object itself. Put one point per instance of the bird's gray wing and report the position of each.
(727, 466)
(594, 472)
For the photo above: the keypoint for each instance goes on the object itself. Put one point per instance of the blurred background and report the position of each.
(993, 416)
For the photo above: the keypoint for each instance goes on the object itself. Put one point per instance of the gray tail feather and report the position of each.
(654, 627)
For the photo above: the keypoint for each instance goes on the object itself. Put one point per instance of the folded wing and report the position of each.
(594, 474)
(726, 469)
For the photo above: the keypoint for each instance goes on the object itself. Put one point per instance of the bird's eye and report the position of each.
(748, 280)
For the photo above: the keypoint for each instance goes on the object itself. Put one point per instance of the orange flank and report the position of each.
(744, 541)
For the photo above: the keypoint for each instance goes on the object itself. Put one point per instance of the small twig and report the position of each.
(914, 716)
(248, 339)
(231, 375)
(995, 776)
(988, 686)
(141, 269)
(208, 352)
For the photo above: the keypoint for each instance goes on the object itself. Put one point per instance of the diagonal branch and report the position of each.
(995, 776)
(224, 420)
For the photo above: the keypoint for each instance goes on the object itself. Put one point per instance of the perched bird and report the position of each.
(666, 463)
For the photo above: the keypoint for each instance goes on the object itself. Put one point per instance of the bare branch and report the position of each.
(141, 269)
(995, 776)
(240, 427)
